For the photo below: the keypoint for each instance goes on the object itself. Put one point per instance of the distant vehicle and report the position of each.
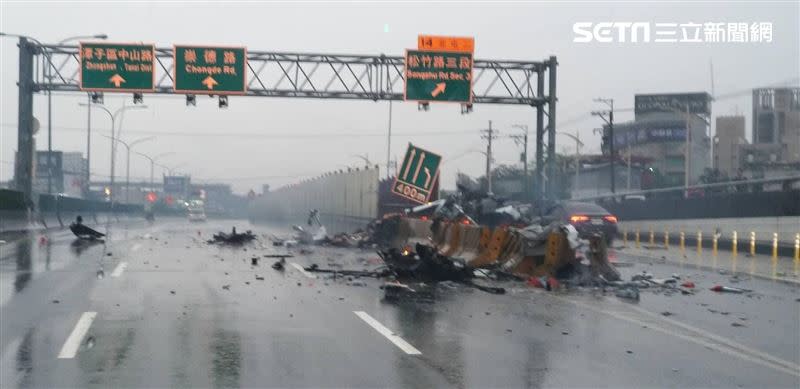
(196, 211)
(587, 218)
(635, 197)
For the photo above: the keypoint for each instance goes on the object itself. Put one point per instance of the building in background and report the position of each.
(775, 150)
(728, 140)
(66, 174)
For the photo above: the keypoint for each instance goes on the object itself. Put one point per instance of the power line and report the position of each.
(287, 134)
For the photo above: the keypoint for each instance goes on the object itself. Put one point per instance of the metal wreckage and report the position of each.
(440, 242)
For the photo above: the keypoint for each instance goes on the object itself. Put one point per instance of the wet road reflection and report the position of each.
(24, 360)
(226, 351)
(418, 321)
(24, 269)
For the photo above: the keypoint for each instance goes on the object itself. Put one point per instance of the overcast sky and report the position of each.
(524, 31)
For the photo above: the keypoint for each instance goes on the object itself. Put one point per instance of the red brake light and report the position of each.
(578, 218)
(424, 218)
(465, 222)
(611, 219)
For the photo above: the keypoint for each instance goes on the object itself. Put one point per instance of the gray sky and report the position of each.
(525, 31)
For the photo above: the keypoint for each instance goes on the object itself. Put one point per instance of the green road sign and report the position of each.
(438, 76)
(210, 70)
(117, 67)
(417, 174)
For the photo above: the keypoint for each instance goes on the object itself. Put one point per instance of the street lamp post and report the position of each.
(153, 163)
(578, 145)
(113, 117)
(128, 147)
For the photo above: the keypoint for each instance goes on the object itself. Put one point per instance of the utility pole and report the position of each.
(608, 117)
(523, 140)
(687, 157)
(490, 134)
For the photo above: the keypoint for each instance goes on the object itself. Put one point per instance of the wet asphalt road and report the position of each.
(157, 307)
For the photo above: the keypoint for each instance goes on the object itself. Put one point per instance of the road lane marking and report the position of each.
(136, 247)
(698, 337)
(388, 334)
(720, 339)
(301, 270)
(74, 340)
(119, 269)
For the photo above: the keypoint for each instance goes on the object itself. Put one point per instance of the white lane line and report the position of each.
(301, 270)
(119, 269)
(136, 247)
(398, 341)
(697, 336)
(74, 340)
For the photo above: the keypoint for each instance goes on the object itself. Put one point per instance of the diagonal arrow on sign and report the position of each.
(209, 82)
(439, 89)
(117, 80)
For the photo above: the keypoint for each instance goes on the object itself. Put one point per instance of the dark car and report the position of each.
(587, 218)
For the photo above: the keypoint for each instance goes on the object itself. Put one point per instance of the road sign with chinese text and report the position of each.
(117, 67)
(417, 174)
(446, 43)
(438, 76)
(210, 70)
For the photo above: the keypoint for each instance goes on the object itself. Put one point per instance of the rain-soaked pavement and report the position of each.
(157, 307)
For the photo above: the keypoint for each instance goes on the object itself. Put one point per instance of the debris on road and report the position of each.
(628, 292)
(728, 289)
(81, 231)
(233, 238)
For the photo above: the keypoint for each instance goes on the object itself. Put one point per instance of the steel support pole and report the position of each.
(540, 137)
(687, 156)
(489, 161)
(612, 149)
(127, 174)
(551, 120)
(23, 174)
(88, 144)
(49, 134)
(526, 180)
(113, 155)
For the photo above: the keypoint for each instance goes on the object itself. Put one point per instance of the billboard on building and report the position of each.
(699, 103)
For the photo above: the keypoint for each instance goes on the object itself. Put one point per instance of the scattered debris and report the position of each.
(728, 289)
(667, 313)
(688, 284)
(171, 292)
(736, 324)
(81, 231)
(226, 287)
(630, 292)
(233, 238)
(259, 278)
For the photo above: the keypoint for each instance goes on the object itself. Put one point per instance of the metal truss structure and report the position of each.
(310, 75)
(55, 68)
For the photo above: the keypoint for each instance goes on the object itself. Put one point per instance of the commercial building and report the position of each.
(775, 150)
(728, 140)
(659, 133)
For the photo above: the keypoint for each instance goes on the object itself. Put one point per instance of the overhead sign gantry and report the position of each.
(143, 68)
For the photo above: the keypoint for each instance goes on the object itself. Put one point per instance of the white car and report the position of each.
(197, 216)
